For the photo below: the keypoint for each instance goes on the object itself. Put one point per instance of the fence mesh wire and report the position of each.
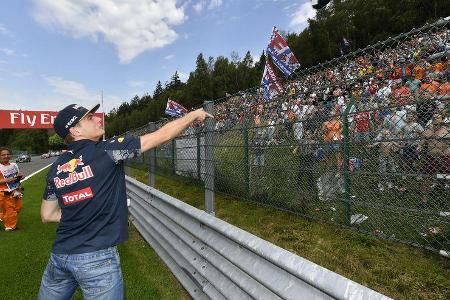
(360, 141)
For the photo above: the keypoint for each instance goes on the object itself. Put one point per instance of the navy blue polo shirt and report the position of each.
(88, 181)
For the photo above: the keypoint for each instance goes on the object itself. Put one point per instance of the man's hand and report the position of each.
(200, 115)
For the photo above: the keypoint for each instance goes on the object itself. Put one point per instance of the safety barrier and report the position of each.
(216, 260)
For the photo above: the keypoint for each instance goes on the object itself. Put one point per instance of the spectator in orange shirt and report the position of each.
(429, 87)
(444, 88)
(419, 72)
(257, 120)
(439, 68)
(332, 134)
(401, 94)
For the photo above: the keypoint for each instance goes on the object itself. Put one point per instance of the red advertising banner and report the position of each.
(27, 119)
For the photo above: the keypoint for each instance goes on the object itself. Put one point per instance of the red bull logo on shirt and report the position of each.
(70, 166)
(74, 177)
(77, 196)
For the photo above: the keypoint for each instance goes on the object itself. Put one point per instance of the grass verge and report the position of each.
(396, 270)
(24, 254)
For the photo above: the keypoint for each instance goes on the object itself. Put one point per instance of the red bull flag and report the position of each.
(270, 83)
(281, 54)
(175, 109)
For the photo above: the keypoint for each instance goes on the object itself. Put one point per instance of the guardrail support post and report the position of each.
(209, 159)
(152, 161)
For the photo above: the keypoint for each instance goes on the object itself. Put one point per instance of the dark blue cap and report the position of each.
(69, 116)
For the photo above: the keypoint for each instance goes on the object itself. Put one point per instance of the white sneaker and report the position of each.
(9, 229)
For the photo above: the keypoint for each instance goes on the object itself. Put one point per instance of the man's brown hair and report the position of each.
(68, 139)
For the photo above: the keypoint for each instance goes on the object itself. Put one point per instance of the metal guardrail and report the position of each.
(216, 260)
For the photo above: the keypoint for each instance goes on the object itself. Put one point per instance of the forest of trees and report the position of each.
(362, 22)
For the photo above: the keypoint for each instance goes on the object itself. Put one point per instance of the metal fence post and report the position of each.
(209, 159)
(199, 161)
(152, 163)
(346, 158)
(246, 159)
(128, 168)
(174, 154)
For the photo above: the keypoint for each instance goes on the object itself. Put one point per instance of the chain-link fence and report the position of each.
(361, 141)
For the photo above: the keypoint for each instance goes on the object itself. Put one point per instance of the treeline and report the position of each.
(31, 141)
(212, 79)
(24, 140)
(361, 22)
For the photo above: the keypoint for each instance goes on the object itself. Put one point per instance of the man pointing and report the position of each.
(85, 193)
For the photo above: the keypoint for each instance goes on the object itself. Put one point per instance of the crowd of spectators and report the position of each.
(395, 95)
(409, 70)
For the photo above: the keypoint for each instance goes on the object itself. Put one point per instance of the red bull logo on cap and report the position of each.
(70, 166)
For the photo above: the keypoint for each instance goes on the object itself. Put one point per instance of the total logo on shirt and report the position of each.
(77, 196)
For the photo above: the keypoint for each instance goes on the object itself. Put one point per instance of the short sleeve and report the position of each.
(123, 148)
(49, 192)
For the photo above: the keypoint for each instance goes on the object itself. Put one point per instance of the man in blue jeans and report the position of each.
(85, 193)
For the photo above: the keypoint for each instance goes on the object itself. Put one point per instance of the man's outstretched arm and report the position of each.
(172, 129)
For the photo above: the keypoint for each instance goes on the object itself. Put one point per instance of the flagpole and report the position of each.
(103, 116)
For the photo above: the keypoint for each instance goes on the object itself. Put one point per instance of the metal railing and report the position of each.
(216, 260)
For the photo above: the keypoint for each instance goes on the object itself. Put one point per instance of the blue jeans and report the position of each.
(98, 274)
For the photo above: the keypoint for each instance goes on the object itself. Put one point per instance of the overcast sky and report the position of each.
(57, 52)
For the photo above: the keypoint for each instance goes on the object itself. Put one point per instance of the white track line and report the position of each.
(29, 176)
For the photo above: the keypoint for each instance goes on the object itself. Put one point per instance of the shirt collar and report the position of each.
(79, 144)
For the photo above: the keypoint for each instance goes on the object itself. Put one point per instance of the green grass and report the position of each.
(396, 270)
(24, 254)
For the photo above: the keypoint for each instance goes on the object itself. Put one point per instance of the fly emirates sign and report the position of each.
(18, 119)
